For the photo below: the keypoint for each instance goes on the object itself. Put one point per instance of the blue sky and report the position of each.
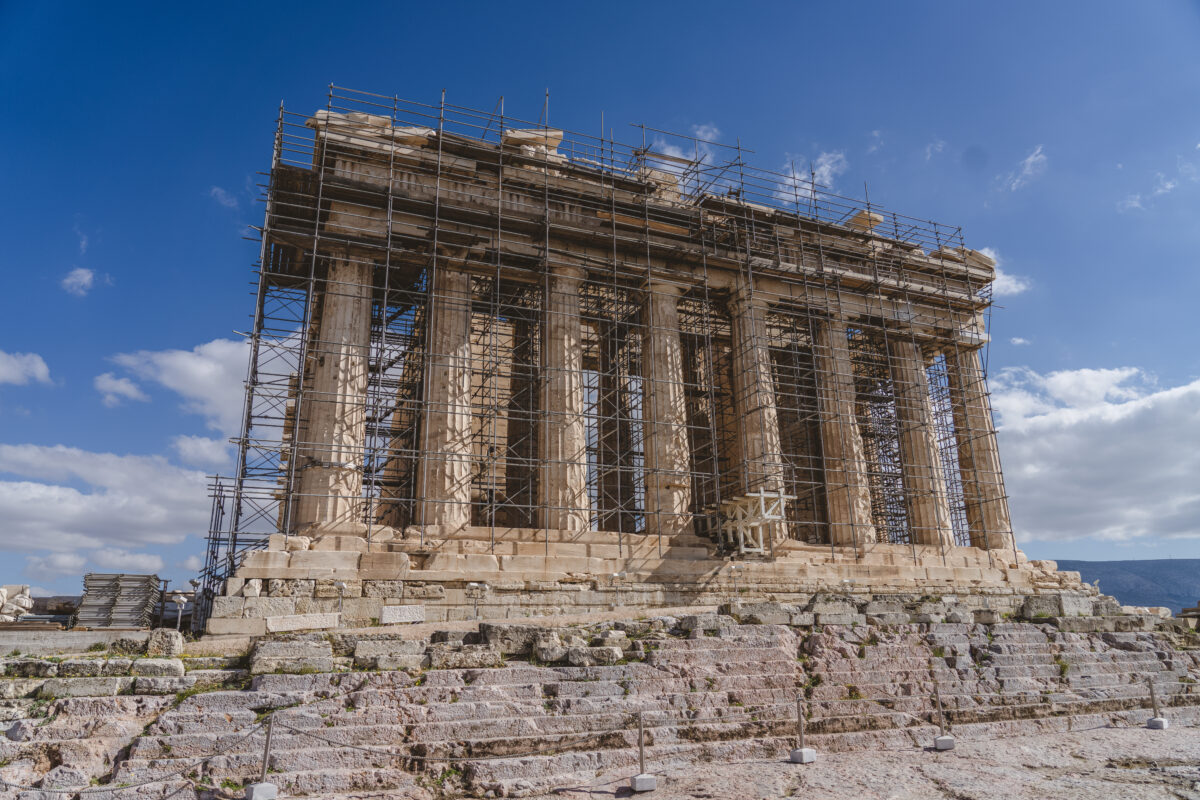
(1064, 137)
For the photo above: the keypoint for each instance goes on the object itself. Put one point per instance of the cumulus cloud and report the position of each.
(223, 197)
(65, 501)
(198, 451)
(118, 560)
(209, 378)
(1101, 453)
(1032, 166)
(876, 142)
(54, 565)
(82, 237)
(114, 391)
(78, 281)
(828, 166)
(192, 563)
(1019, 340)
(21, 368)
(1005, 284)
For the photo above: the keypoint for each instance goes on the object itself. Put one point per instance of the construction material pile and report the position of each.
(118, 601)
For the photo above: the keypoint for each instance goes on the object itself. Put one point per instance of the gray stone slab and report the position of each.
(394, 615)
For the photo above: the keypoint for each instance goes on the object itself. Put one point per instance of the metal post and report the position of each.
(802, 754)
(641, 745)
(1158, 722)
(944, 741)
(800, 719)
(937, 696)
(267, 747)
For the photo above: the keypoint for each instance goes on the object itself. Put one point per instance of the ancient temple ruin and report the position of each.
(501, 365)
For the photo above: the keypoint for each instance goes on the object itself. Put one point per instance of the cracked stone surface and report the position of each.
(1097, 764)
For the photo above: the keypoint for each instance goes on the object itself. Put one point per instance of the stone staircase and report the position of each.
(706, 687)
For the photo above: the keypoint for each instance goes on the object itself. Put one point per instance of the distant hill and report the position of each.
(1170, 582)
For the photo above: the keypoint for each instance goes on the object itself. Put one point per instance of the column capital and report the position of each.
(743, 299)
(660, 286)
(569, 271)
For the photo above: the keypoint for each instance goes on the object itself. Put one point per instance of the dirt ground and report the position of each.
(1097, 764)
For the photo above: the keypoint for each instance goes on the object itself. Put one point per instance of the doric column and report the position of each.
(668, 458)
(847, 489)
(562, 487)
(978, 457)
(335, 402)
(754, 396)
(444, 475)
(614, 463)
(921, 466)
(520, 454)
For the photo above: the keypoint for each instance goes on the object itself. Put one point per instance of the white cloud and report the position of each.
(1008, 285)
(209, 377)
(117, 560)
(192, 563)
(876, 142)
(54, 565)
(113, 390)
(1019, 341)
(78, 281)
(198, 451)
(933, 148)
(83, 239)
(1163, 185)
(1131, 202)
(1005, 284)
(64, 500)
(828, 166)
(1099, 453)
(1030, 168)
(223, 197)
(21, 368)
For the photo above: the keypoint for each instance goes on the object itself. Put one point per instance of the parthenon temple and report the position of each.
(500, 368)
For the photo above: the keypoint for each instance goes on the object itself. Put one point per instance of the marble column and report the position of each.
(664, 422)
(443, 482)
(615, 440)
(754, 397)
(847, 489)
(562, 486)
(334, 430)
(921, 467)
(978, 457)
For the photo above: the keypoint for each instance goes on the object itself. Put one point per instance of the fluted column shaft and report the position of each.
(667, 451)
(754, 397)
(562, 488)
(921, 467)
(847, 489)
(978, 456)
(331, 481)
(444, 473)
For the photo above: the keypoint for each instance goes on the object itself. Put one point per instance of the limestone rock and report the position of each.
(510, 639)
(253, 588)
(164, 643)
(157, 668)
(302, 655)
(592, 656)
(467, 656)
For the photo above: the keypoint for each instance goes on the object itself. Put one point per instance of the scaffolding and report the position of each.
(466, 323)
